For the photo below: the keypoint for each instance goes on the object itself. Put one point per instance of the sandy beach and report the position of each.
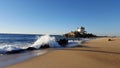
(97, 53)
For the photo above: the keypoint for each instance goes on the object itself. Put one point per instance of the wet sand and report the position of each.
(98, 53)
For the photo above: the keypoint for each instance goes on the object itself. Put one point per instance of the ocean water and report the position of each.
(9, 42)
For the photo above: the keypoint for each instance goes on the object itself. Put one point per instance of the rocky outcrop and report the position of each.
(63, 42)
(45, 46)
(31, 48)
(78, 35)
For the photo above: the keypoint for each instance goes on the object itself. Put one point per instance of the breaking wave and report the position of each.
(41, 41)
(51, 41)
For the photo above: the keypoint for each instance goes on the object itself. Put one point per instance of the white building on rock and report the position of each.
(81, 30)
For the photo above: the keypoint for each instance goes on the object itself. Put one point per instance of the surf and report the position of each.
(45, 41)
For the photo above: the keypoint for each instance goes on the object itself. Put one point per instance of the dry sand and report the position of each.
(98, 53)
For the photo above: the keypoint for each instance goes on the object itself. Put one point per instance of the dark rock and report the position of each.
(45, 46)
(76, 34)
(63, 42)
(31, 48)
(15, 51)
(109, 39)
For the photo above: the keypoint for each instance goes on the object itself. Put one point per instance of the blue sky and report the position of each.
(101, 17)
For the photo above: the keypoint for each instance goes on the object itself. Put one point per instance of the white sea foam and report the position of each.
(9, 47)
(46, 40)
(74, 43)
(42, 40)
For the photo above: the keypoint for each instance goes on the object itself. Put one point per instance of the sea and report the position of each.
(18, 40)
(9, 42)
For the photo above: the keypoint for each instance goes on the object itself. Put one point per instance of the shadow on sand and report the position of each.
(91, 50)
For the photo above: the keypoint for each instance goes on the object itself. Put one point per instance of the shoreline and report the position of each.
(97, 53)
(8, 60)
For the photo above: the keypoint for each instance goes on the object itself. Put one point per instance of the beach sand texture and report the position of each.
(97, 53)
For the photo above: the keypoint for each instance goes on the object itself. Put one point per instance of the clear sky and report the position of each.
(101, 17)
